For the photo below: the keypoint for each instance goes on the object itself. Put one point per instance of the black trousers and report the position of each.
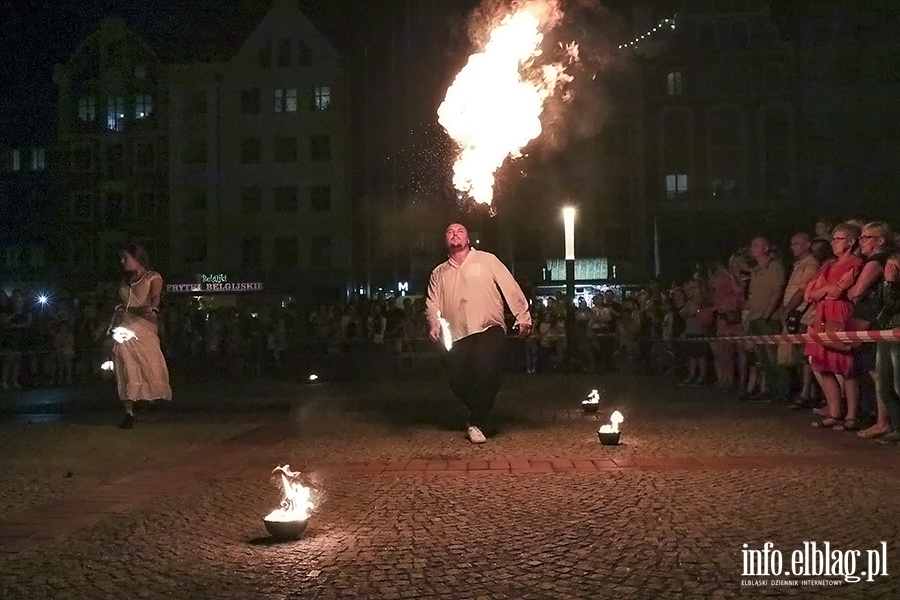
(475, 366)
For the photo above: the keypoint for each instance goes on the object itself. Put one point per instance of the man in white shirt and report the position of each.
(465, 292)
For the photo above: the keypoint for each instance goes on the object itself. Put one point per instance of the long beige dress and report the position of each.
(140, 367)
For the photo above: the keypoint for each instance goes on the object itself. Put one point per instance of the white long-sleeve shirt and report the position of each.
(467, 295)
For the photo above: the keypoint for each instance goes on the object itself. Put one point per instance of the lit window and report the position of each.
(16, 159)
(286, 100)
(87, 109)
(115, 113)
(38, 159)
(143, 106)
(322, 97)
(674, 83)
(676, 187)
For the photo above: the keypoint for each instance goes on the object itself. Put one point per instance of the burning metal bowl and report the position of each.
(609, 439)
(590, 407)
(285, 530)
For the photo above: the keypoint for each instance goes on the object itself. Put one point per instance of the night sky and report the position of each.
(37, 34)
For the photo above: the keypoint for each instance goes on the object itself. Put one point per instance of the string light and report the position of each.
(665, 23)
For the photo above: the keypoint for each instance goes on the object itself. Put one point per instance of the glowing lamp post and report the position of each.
(569, 224)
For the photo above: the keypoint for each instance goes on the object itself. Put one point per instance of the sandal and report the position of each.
(848, 425)
(827, 423)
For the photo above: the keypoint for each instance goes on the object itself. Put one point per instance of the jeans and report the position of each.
(887, 378)
(475, 367)
(767, 355)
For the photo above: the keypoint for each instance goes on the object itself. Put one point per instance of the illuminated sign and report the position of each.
(403, 287)
(207, 288)
(213, 278)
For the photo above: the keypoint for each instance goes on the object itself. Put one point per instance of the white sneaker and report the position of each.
(475, 436)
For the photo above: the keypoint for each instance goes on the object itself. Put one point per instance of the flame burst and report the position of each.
(493, 107)
(296, 502)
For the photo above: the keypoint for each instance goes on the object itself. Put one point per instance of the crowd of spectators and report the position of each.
(834, 278)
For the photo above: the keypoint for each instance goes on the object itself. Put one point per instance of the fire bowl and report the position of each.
(590, 407)
(285, 530)
(609, 439)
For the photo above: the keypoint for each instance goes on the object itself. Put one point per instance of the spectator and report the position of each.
(796, 316)
(764, 296)
(828, 290)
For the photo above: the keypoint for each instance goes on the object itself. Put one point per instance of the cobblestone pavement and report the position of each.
(410, 510)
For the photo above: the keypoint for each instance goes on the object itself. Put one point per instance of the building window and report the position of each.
(15, 160)
(265, 55)
(286, 251)
(322, 97)
(284, 52)
(285, 150)
(251, 252)
(250, 151)
(195, 152)
(115, 160)
(320, 148)
(320, 198)
(115, 113)
(320, 251)
(286, 100)
(195, 250)
(250, 101)
(304, 54)
(80, 159)
(144, 156)
(740, 34)
(285, 199)
(140, 72)
(87, 109)
(143, 106)
(676, 187)
(38, 159)
(251, 200)
(195, 200)
(674, 83)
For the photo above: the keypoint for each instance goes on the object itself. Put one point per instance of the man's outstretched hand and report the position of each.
(524, 330)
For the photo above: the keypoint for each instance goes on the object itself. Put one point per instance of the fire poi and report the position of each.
(493, 107)
(445, 331)
(290, 519)
(123, 334)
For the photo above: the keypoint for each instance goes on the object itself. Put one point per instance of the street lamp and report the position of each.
(569, 224)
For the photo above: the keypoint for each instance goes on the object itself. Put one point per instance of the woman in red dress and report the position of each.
(828, 291)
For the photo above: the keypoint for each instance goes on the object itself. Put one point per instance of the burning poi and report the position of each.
(493, 107)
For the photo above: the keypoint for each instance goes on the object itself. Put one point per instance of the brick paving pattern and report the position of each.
(410, 510)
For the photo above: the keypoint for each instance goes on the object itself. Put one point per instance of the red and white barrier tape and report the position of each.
(886, 335)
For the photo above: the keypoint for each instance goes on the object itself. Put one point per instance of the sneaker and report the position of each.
(475, 436)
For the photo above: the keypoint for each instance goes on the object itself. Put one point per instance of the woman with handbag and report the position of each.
(874, 242)
(828, 291)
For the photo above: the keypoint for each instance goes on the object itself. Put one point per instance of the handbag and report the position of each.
(832, 327)
(795, 318)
